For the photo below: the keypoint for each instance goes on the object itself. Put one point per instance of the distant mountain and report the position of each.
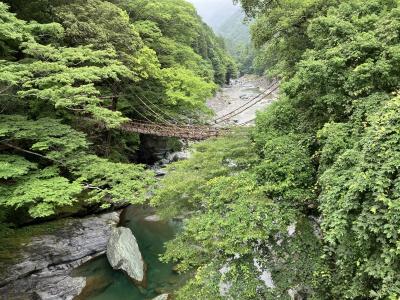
(234, 29)
(215, 12)
(227, 20)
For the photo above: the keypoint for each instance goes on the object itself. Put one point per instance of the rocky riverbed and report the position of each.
(105, 282)
(240, 91)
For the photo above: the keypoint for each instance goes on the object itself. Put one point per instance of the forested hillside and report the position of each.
(215, 13)
(306, 206)
(71, 73)
(229, 21)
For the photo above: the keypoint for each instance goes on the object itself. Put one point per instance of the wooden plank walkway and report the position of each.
(189, 132)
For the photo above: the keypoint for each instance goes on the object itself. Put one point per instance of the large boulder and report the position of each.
(43, 265)
(177, 156)
(162, 297)
(123, 254)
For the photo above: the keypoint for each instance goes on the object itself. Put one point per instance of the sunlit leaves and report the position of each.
(185, 88)
(45, 135)
(41, 192)
(66, 77)
(75, 174)
(112, 182)
(13, 166)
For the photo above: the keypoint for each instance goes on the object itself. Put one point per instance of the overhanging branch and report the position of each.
(30, 152)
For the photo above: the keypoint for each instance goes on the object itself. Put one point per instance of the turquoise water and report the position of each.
(103, 283)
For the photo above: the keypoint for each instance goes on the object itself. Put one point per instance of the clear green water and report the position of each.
(106, 284)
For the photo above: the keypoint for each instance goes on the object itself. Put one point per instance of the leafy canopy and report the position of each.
(315, 205)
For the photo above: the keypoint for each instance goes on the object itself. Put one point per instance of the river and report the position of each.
(104, 283)
(42, 260)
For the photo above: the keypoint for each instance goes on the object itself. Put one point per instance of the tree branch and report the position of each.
(5, 89)
(91, 187)
(30, 152)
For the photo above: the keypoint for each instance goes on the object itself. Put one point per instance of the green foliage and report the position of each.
(184, 88)
(183, 189)
(58, 80)
(12, 31)
(109, 182)
(126, 48)
(98, 23)
(280, 31)
(232, 220)
(332, 137)
(56, 169)
(41, 192)
(66, 78)
(358, 198)
(173, 29)
(323, 158)
(47, 135)
(13, 166)
(186, 49)
(286, 171)
(40, 189)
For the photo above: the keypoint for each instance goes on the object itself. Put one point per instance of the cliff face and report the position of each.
(43, 269)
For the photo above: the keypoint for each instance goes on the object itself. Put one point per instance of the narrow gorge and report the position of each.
(199, 149)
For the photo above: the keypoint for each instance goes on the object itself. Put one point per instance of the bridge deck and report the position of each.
(190, 132)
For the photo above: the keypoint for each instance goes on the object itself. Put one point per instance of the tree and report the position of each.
(234, 231)
(324, 157)
(47, 165)
(280, 31)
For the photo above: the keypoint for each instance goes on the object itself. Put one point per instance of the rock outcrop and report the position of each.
(123, 254)
(43, 269)
(162, 297)
(177, 156)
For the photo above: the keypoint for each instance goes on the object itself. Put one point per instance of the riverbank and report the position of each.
(41, 264)
(69, 261)
(151, 233)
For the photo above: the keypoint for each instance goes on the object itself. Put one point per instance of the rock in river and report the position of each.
(42, 269)
(162, 297)
(123, 254)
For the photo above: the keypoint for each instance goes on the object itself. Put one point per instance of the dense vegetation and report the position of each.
(71, 72)
(307, 204)
(228, 20)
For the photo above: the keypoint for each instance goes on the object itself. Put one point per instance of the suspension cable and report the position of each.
(247, 122)
(217, 120)
(141, 114)
(171, 118)
(229, 116)
(157, 115)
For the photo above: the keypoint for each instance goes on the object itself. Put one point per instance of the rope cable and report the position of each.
(247, 122)
(155, 113)
(141, 114)
(217, 120)
(228, 116)
(171, 118)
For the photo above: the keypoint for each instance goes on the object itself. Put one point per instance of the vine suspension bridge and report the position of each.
(166, 125)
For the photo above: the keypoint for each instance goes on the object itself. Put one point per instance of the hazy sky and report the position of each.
(215, 12)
